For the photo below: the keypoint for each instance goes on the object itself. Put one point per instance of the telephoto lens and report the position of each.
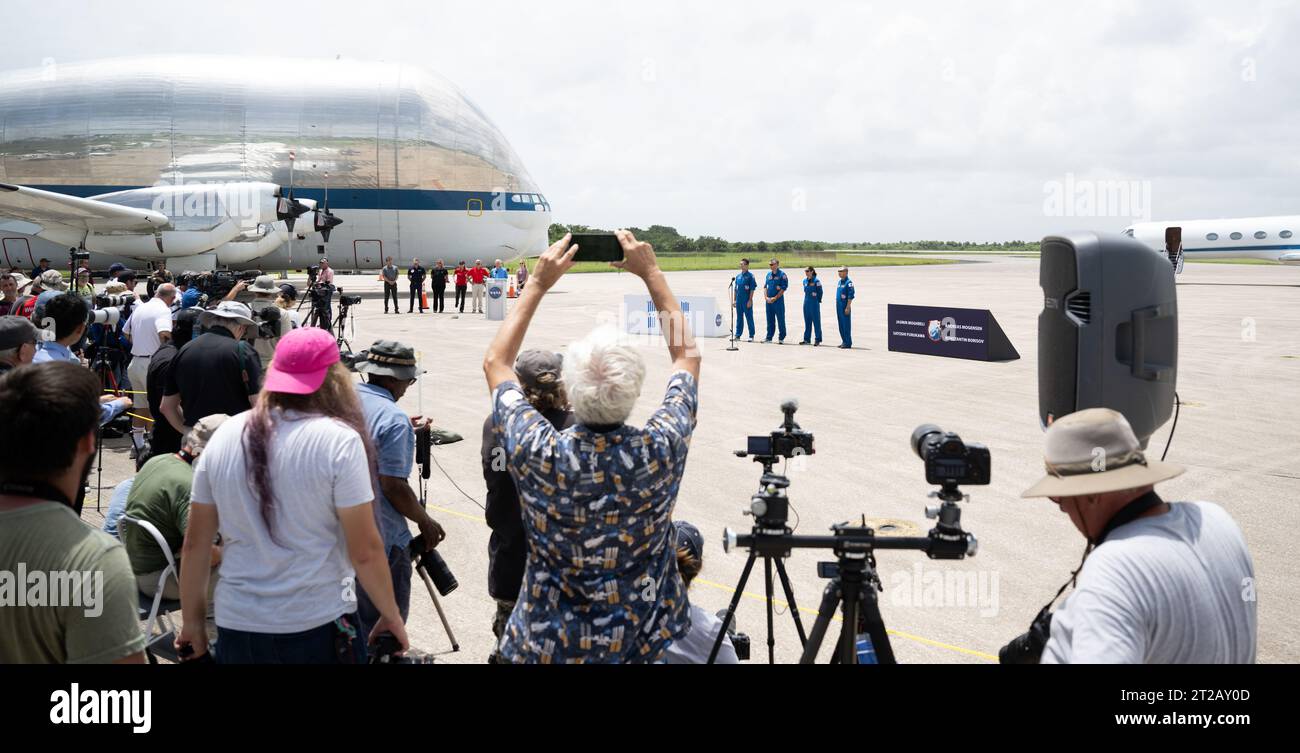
(434, 565)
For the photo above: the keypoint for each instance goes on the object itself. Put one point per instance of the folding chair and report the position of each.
(155, 611)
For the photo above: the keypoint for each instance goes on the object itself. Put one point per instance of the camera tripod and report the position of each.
(852, 591)
(423, 457)
(769, 536)
(340, 325)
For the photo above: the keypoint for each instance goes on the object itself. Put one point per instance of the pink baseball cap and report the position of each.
(302, 359)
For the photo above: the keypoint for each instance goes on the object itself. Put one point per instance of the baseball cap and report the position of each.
(536, 368)
(116, 267)
(16, 331)
(302, 359)
(198, 436)
(52, 279)
(689, 537)
(190, 297)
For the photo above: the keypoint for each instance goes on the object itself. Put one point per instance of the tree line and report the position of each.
(667, 240)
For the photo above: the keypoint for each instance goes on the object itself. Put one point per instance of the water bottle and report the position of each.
(866, 650)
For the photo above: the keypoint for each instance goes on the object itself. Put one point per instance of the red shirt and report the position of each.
(478, 274)
(460, 277)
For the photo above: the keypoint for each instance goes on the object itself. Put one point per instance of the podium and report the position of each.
(495, 305)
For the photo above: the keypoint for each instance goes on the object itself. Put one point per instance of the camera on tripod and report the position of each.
(948, 460)
(348, 300)
(770, 506)
(854, 580)
(111, 309)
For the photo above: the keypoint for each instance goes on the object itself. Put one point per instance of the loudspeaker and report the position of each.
(1108, 332)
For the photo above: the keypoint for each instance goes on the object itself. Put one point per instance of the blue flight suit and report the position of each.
(844, 294)
(812, 309)
(773, 284)
(745, 287)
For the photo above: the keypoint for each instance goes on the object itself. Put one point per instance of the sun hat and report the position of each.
(1095, 451)
(387, 358)
(233, 311)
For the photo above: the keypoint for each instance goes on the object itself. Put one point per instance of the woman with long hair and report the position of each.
(289, 485)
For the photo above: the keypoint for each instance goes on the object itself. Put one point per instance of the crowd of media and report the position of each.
(273, 495)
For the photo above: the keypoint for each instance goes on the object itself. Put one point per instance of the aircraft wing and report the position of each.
(55, 210)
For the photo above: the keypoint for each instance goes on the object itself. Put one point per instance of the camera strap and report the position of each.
(1127, 514)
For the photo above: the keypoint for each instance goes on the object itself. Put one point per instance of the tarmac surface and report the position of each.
(1237, 435)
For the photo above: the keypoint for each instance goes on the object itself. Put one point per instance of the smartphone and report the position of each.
(597, 247)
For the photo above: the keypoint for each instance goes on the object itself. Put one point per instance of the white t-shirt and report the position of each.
(317, 465)
(144, 325)
(1176, 588)
(694, 647)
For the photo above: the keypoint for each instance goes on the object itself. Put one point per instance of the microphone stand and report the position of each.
(731, 333)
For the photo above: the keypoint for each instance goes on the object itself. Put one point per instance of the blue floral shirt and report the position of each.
(601, 583)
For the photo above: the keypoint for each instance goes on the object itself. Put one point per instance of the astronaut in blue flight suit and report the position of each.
(844, 308)
(812, 307)
(742, 298)
(774, 287)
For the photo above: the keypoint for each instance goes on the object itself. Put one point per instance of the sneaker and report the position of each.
(767, 341)
(819, 342)
(751, 339)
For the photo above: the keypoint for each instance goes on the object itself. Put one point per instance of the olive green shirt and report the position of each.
(45, 544)
(160, 495)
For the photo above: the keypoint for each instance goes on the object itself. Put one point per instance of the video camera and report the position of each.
(786, 442)
(217, 283)
(348, 300)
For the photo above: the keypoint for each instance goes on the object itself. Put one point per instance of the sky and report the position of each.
(836, 121)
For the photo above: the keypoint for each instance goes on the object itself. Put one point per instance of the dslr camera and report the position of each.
(948, 460)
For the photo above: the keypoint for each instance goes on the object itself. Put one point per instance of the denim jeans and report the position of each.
(399, 564)
(319, 645)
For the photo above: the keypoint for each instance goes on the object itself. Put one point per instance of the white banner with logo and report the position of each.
(701, 312)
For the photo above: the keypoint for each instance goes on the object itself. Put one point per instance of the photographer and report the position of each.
(46, 451)
(539, 376)
(694, 647)
(323, 287)
(288, 486)
(272, 321)
(149, 326)
(579, 488)
(164, 438)
(389, 368)
(68, 313)
(215, 372)
(1162, 582)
